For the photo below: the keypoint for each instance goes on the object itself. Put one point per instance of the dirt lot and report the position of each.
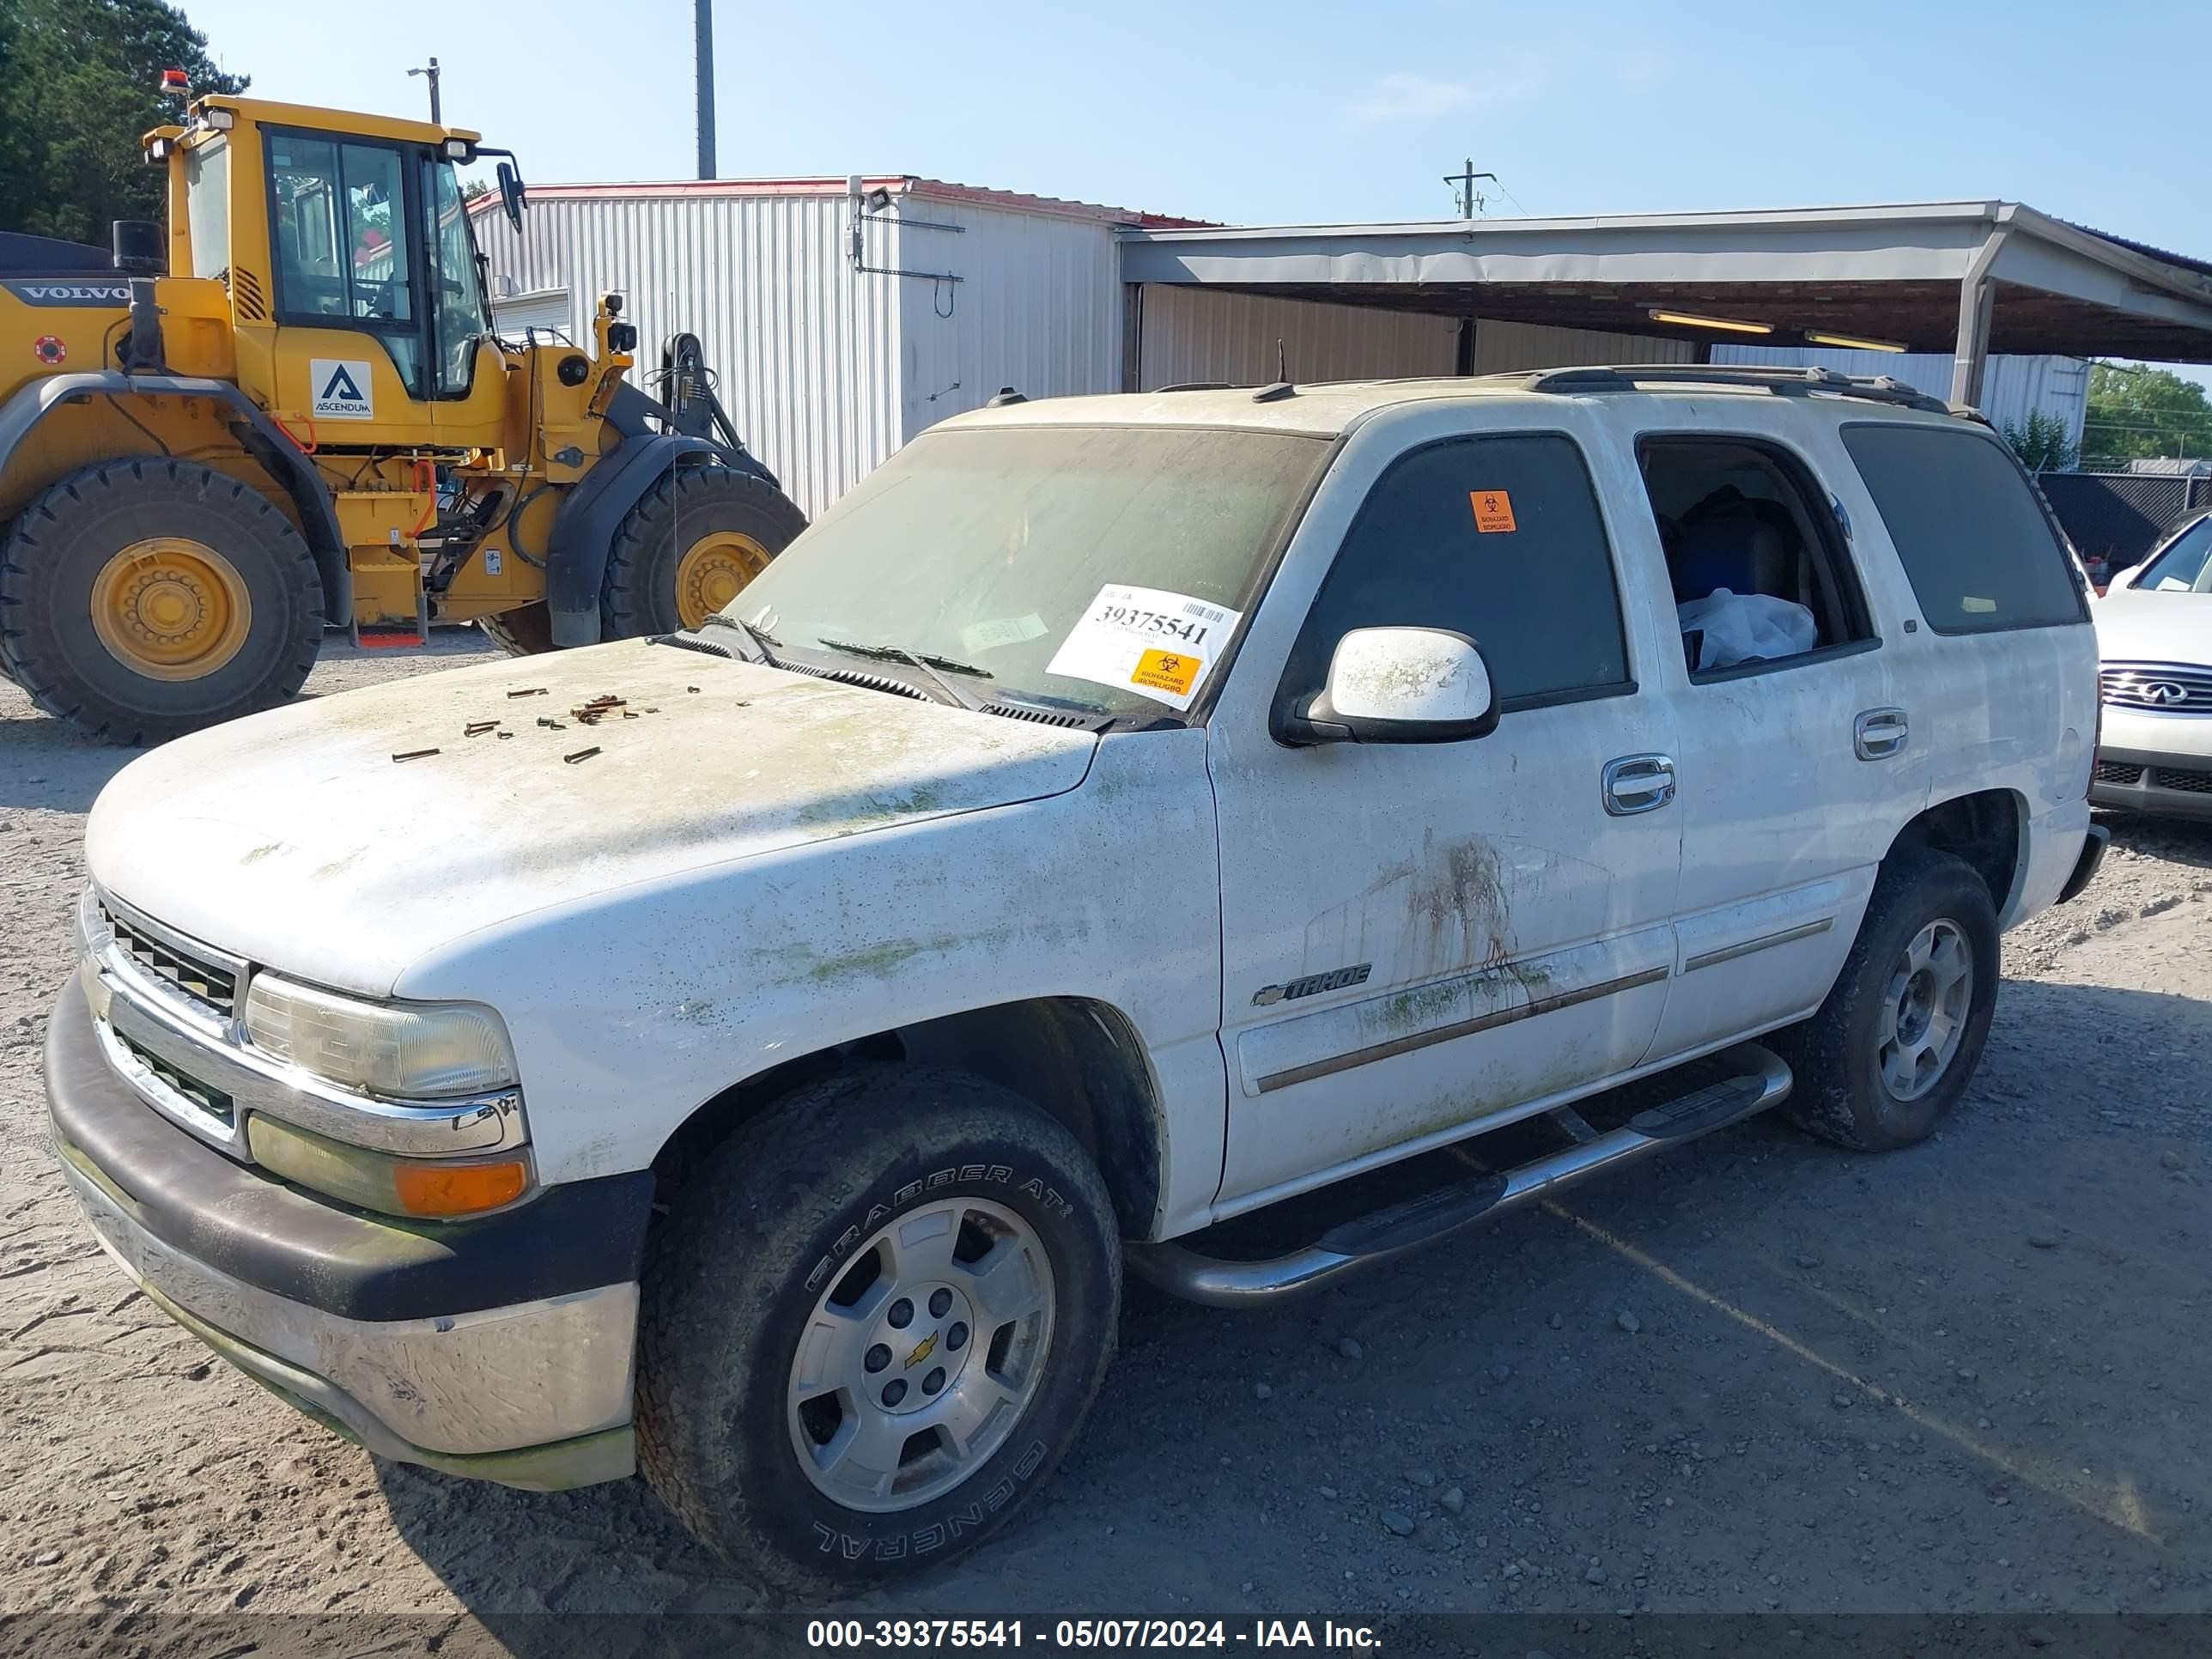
(1756, 1374)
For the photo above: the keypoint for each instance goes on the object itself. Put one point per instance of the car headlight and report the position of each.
(410, 1051)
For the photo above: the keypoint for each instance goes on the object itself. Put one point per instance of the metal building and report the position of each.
(844, 316)
(2014, 387)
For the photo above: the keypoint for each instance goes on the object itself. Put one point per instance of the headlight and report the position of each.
(402, 1050)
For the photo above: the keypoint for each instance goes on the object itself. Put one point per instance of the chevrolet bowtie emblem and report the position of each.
(928, 1347)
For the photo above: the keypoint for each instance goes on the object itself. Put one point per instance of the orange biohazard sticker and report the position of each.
(1493, 510)
(1167, 671)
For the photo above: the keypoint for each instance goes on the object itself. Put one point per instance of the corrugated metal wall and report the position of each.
(2011, 387)
(827, 370)
(808, 349)
(1038, 306)
(1506, 348)
(1202, 334)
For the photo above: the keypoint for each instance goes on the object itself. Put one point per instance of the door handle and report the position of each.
(1638, 783)
(1879, 733)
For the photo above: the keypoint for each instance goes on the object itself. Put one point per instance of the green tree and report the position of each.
(2136, 413)
(2041, 443)
(80, 80)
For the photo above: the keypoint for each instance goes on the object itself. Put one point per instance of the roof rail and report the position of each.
(1800, 382)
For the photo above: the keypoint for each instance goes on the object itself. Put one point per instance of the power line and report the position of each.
(2203, 424)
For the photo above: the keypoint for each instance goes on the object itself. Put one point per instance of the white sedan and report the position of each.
(2154, 649)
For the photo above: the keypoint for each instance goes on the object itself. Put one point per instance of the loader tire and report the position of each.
(525, 631)
(7, 530)
(148, 597)
(690, 546)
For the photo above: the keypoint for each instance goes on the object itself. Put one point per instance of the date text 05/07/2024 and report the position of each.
(1114, 1633)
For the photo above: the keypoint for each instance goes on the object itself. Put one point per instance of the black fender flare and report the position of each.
(584, 529)
(261, 438)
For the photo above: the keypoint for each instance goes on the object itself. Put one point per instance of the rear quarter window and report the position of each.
(1975, 543)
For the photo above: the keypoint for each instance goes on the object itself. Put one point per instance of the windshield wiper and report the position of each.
(761, 638)
(928, 663)
(900, 653)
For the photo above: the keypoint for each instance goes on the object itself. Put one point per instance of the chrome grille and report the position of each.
(211, 985)
(2164, 688)
(212, 1100)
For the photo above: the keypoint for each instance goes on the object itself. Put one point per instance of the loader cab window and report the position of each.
(344, 241)
(207, 205)
(458, 310)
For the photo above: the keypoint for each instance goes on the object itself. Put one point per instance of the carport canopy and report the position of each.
(1967, 277)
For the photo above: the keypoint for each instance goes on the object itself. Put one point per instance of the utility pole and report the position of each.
(1464, 188)
(436, 120)
(1463, 183)
(704, 10)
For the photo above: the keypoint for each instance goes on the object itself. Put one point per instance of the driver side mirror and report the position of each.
(511, 196)
(1399, 685)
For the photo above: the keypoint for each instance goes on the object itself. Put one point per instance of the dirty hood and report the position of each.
(295, 839)
(2153, 627)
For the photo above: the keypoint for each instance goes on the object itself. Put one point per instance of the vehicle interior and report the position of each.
(1736, 515)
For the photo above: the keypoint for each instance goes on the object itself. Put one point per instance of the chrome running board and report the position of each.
(1762, 1080)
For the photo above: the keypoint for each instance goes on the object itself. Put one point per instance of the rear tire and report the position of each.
(778, 1371)
(148, 597)
(1897, 1040)
(525, 631)
(690, 546)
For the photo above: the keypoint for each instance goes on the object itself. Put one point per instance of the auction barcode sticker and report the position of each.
(1147, 640)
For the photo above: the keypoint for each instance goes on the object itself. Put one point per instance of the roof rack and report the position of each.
(1798, 382)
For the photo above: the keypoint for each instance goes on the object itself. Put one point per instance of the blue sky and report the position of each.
(1298, 111)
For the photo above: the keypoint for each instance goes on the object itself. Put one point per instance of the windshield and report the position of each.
(2185, 566)
(1101, 568)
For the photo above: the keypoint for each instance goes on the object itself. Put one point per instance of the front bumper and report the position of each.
(2146, 780)
(2154, 761)
(501, 1348)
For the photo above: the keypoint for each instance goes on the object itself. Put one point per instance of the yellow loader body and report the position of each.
(286, 410)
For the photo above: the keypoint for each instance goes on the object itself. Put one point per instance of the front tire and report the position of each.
(145, 598)
(1897, 1041)
(690, 546)
(873, 1321)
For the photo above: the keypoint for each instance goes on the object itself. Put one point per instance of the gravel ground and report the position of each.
(1755, 1375)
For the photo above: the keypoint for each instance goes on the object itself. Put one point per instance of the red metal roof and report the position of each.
(898, 183)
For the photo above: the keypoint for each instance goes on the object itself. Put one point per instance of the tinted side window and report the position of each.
(1497, 538)
(1974, 540)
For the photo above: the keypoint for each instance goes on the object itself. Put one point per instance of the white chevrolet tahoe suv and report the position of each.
(751, 1056)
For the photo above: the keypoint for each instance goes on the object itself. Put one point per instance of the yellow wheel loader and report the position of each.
(288, 411)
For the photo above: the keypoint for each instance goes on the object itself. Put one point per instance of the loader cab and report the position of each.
(353, 269)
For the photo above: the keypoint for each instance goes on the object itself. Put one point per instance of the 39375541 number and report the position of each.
(1191, 633)
(859, 1635)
